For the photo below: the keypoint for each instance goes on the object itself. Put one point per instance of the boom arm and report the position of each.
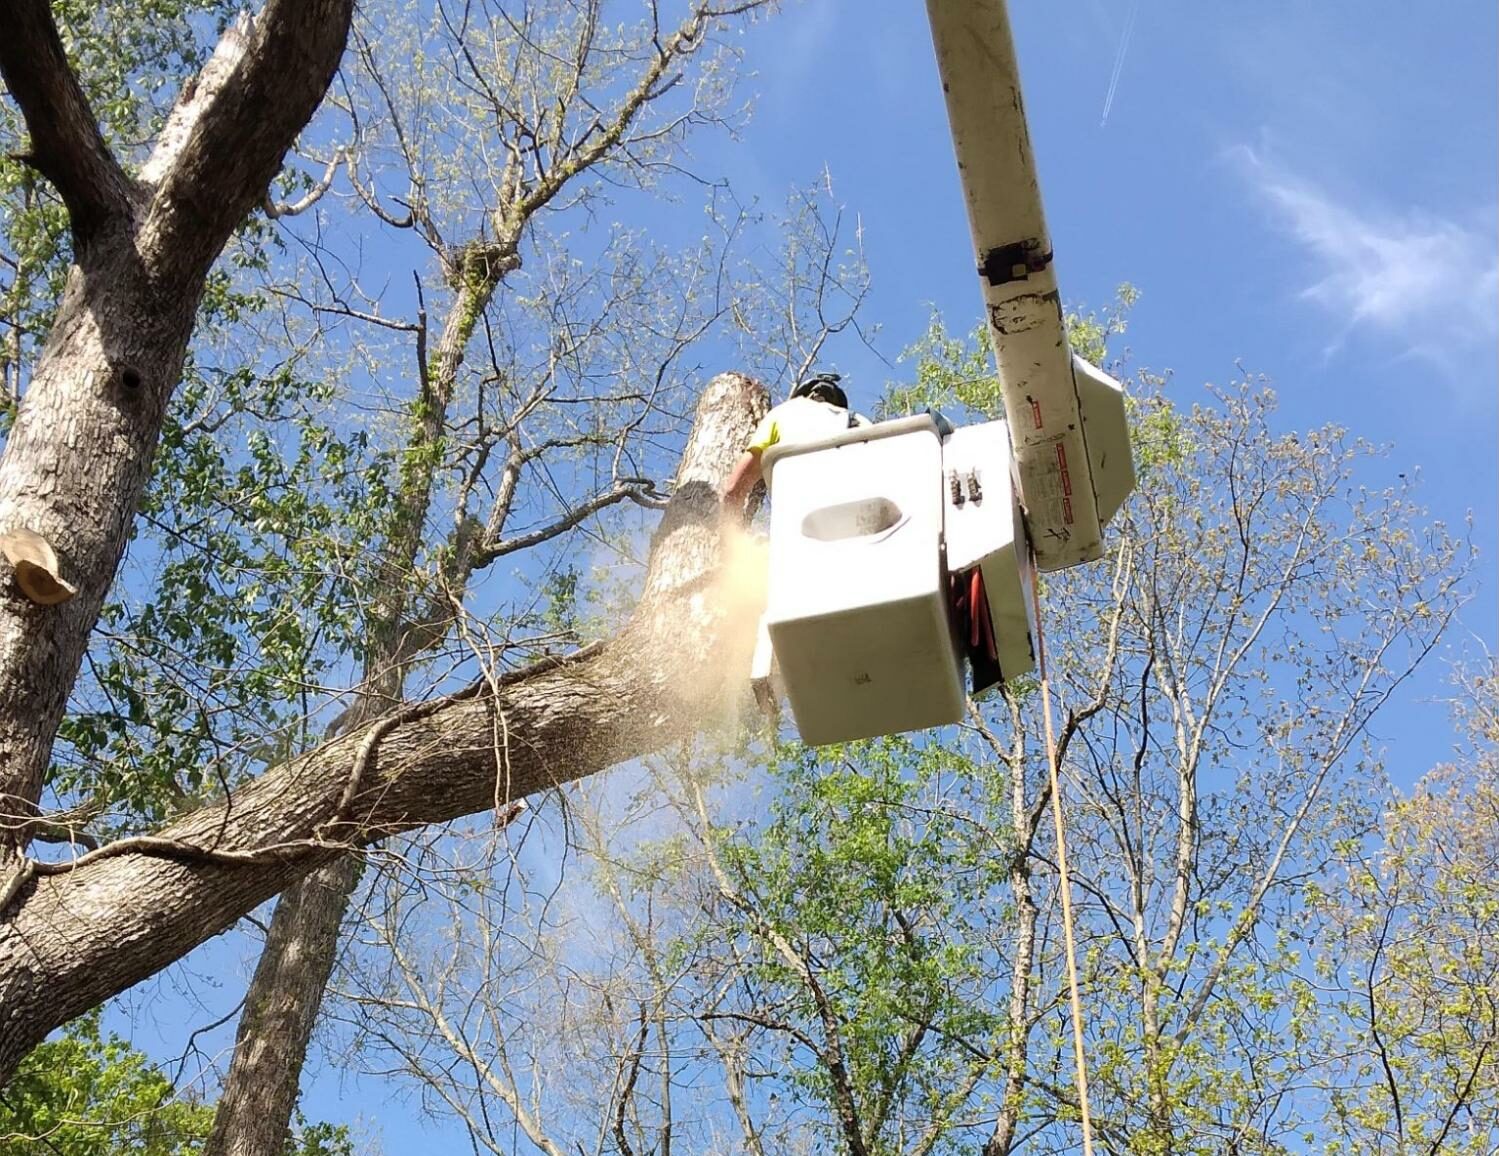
(1044, 406)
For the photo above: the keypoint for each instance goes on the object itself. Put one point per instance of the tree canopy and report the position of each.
(381, 448)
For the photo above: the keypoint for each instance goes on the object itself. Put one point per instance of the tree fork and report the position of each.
(77, 460)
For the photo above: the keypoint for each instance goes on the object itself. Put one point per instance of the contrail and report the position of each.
(1129, 31)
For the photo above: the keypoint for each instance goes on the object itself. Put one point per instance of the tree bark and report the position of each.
(254, 1111)
(69, 941)
(77, 459)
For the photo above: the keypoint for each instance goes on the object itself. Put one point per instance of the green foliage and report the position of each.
(91, 1094)
(561, 614)
(131, 58)
(868, 889)
(1159, 436)
(1413, 955)
(1090, 332)
(319, 1138)
(956, 374)
(179, 684)
(868, 936)
(1258, 609)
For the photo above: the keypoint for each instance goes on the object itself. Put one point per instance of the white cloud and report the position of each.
(1426, 283)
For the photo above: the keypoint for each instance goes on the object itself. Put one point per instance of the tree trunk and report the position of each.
(1001, 1141)
(1024, 814)
(77, 459)
(254, 1112)
(75, 466)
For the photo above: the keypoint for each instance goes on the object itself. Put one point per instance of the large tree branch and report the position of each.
(225, 139)
(66, 145)
(70, 941)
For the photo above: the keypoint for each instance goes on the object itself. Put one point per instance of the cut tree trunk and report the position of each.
(69, 941)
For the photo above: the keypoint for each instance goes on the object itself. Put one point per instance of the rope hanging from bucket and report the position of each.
(1064, 879)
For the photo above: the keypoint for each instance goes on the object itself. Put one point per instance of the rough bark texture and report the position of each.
(253, 1116)
(75, 466)
(78, 457)
(280, 1011)
(70, 941)
(66, 145)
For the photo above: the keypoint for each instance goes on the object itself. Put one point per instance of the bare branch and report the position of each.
(642, 491)
(277, 209)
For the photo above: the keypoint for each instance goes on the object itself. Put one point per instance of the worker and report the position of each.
(816, 409)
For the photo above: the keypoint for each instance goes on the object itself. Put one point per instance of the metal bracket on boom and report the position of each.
(1015, 262)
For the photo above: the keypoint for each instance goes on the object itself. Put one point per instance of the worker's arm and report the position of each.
(747, 470)
(742, 479)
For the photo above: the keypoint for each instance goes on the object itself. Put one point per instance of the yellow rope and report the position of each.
(1064, 880)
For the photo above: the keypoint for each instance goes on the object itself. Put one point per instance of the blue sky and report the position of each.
(1308, 188)
(1304, 190)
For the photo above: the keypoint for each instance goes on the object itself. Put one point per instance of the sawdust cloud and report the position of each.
(733, 605)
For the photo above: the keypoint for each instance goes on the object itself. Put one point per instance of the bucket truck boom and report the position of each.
(1066, 417)
(901, 552)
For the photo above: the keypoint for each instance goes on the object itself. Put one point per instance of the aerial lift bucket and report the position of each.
(895, 551)
(856, 603)
(871, 532)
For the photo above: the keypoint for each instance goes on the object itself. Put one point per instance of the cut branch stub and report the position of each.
(36, 567)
